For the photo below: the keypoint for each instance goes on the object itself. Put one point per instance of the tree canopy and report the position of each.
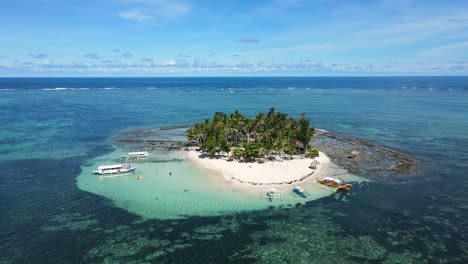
(273, 132)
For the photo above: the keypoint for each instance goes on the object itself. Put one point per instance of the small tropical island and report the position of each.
(269, 149)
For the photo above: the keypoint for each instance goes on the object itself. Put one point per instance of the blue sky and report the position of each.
(230, 38)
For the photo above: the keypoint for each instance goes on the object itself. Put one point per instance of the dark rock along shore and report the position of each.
(362, 157)
(358, 156)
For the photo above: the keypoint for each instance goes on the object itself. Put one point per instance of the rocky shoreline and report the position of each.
(160, 138)
(362, 157)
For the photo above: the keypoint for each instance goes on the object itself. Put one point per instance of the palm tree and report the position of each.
(274, 131)
(259, 126)
(237, 125)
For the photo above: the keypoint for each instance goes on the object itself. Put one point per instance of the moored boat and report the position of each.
(299, 191)
(138, 154)
(271, 194)
(115, 170)
(335, 184)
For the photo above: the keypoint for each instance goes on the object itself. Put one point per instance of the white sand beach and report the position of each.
(274, 173)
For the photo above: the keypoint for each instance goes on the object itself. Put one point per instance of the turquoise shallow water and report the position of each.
(162, 195)
(50, 137)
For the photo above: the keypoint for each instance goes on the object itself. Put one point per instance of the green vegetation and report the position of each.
(312, 153)
(251, 149)
(238, 152)
(265, 135)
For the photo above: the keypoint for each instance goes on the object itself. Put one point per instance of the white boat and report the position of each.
(115, 170)
(138, 154)
(299, 191)
(271, 194)
(334, 184)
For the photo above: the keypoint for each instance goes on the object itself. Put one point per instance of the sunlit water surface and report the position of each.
(51, 138)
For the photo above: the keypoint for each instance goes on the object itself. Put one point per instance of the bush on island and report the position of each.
(210, 147)
(313, 153)
(225, 146)
(291, 150)
(238, 152)
(251, 149)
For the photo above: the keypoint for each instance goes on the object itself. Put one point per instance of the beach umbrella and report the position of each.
(315, 162)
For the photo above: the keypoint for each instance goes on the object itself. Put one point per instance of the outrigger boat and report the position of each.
(299, 191)
(138, 154)
(115, 170)
(335, 184)
(271, 194)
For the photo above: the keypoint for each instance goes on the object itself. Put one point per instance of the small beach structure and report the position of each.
(271, 194)
(313, 164)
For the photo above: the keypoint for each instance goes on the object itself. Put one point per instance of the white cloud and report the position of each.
(288, 2)
(127, 55)
(319, 47)
(411, 31)
(169, 63)
(138, 15)
(306, 47)
(145, 10)
(203, 66)
(446, 49)
(94, 56)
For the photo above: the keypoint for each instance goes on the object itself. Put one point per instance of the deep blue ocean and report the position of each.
(52, 126)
